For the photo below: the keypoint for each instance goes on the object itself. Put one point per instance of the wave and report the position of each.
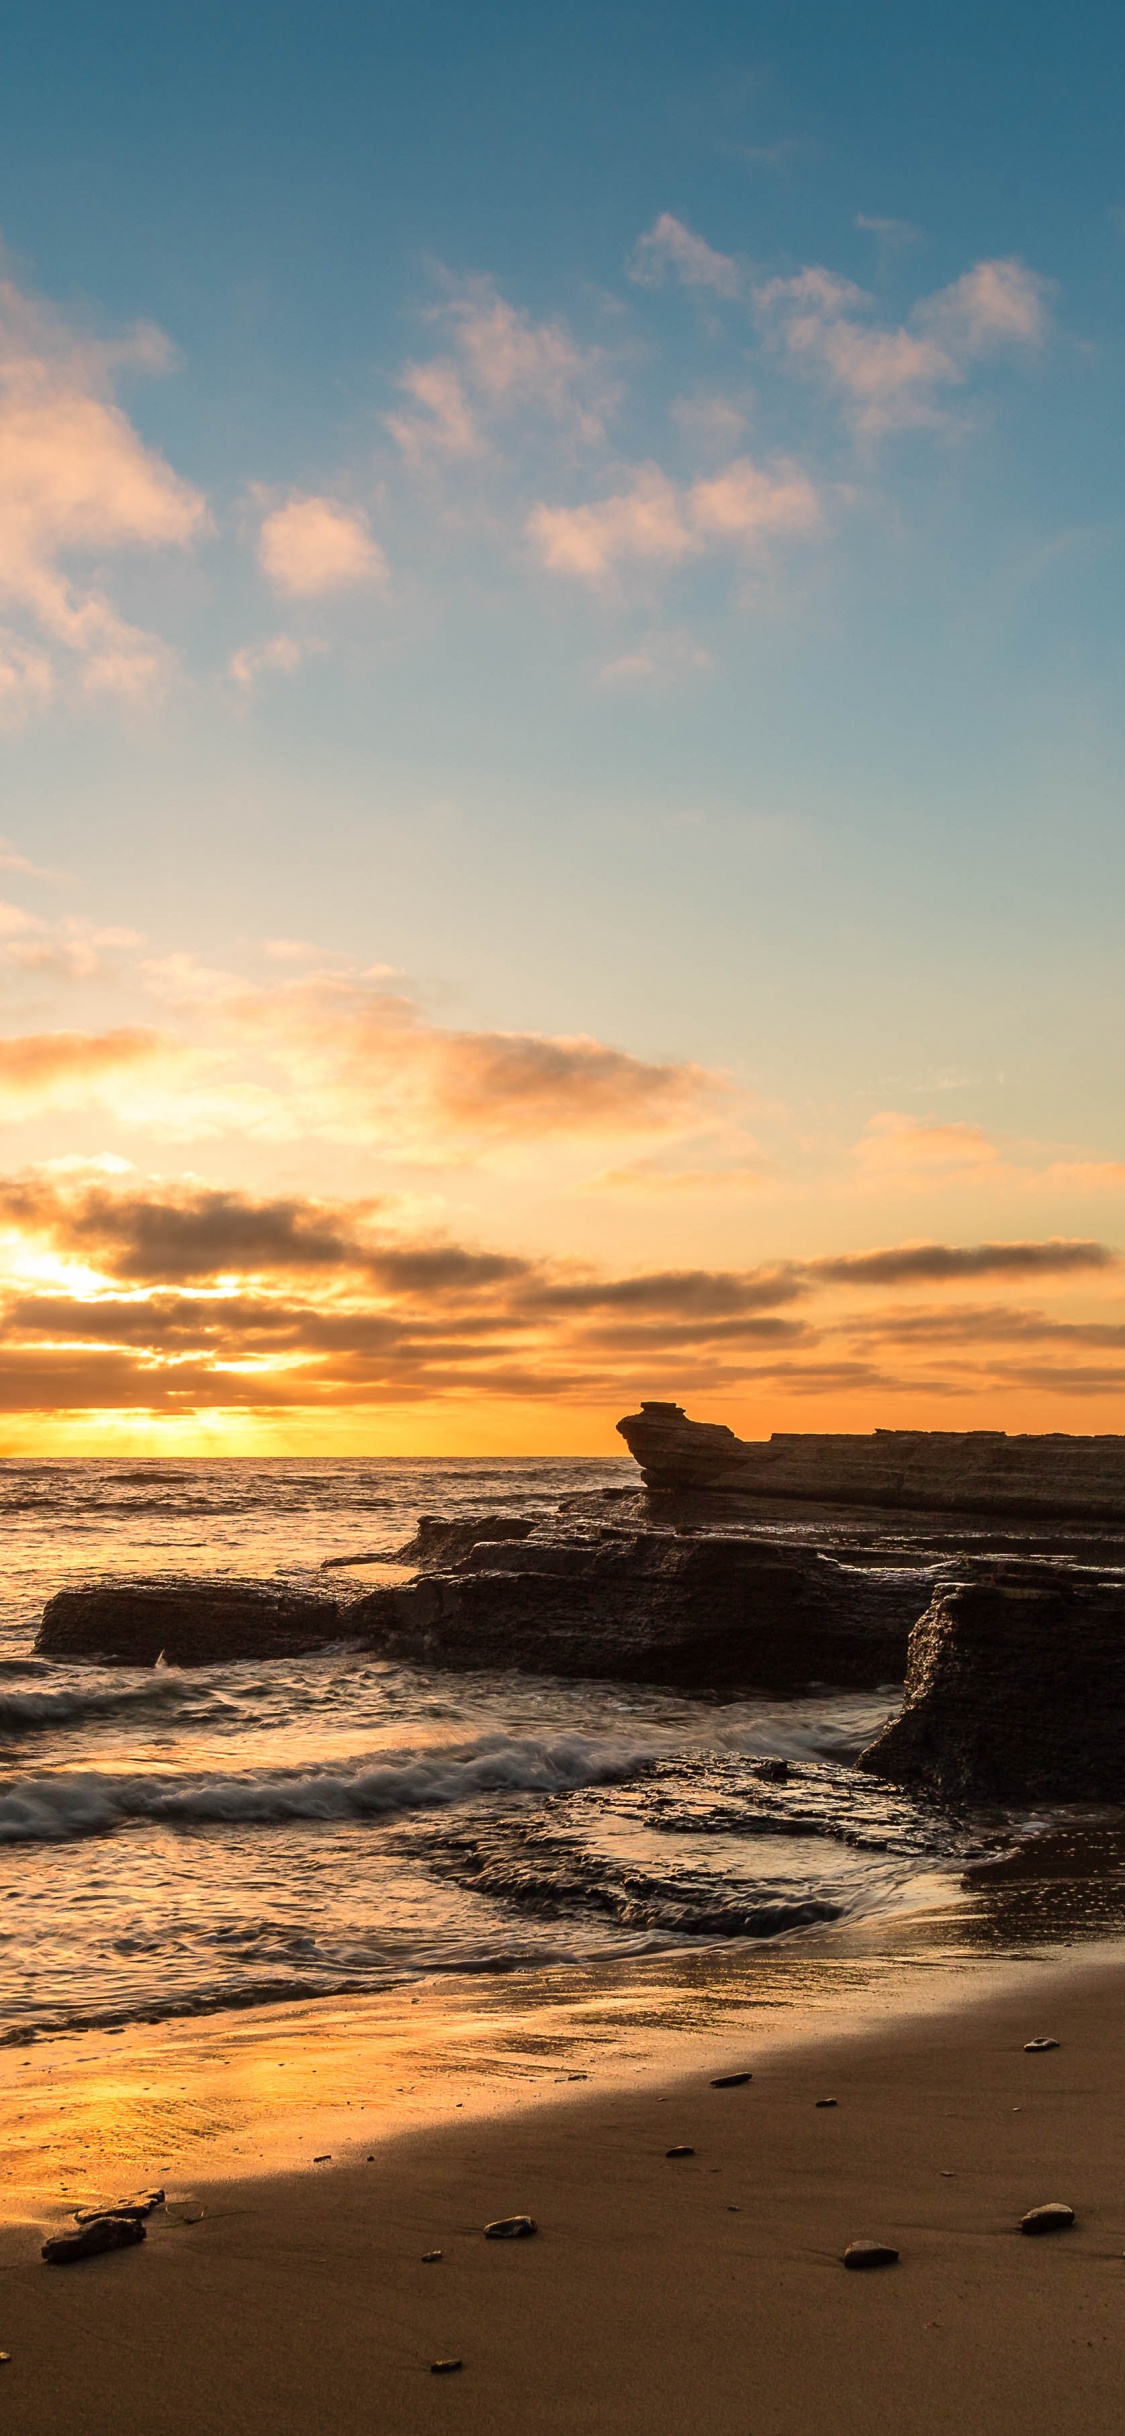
(32, 1712)
(59, 1808)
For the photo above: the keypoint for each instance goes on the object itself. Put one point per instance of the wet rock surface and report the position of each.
(709, 1610)
(1015, 1690)
(188, 1621)
(439, 1542)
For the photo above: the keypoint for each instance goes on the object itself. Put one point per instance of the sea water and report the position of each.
(176, 1841)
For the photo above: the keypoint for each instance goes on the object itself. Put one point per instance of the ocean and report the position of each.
(176, 1842)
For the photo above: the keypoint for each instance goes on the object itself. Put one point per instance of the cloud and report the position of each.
(177, 1297)
(76, 483)
(12, 860)
(668, 248)
(903, 232)
(503, 363)
(711, 1293)
(40, 1070)
(662, 523)
(663, 659)
(351, 1058)
(280, 655)
(990, 1323)
(175, 1233)
(314, 545)
(905, 1264)
(897, 378)
(333, 1054)
(920, 1150)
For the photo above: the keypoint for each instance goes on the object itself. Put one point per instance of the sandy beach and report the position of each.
(660, 2293)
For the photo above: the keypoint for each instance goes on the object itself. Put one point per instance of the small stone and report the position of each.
(142, 2204)
(772, 1771)
(1053, 2217)
(5, 2355)
(430, 2257)
(100, 2233)
(326, 2159)
(1039, 2046)
(511, 2228)
(827, 2101)
(444, 2368)
(679, 2152)
(870, 2254)
(732, 2080)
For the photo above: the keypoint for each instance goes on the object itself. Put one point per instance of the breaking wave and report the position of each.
(61, 1807)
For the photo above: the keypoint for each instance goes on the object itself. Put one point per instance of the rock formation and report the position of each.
(713, 1611)
(1015, 1689)
(134, 1620)
(932, 1471)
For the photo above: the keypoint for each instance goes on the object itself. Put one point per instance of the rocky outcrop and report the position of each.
(711, 1612)
(934, 1471)
(134, 1621)
(1015, 1690)
(437, 1542)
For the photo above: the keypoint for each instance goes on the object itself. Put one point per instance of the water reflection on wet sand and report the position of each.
(279, 2086)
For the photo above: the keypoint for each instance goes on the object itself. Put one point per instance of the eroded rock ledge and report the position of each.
(1015, 1689)
(711, 1611)
(931, 1471)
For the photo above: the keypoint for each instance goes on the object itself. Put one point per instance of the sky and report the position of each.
(560, 716)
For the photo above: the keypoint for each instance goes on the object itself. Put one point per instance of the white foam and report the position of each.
(53, 1809)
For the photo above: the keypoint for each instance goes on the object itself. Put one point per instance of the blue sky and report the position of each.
(602, 527)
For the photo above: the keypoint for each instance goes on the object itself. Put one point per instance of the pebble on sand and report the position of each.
(732, 2080)
(870, 2254)
(1053, 2217)
(444, 2368)
(142, 2204)
(679, 2152)
(827, 2101)
(101, 2233)
(1039, 2046)
(430, 2257)
(510, 2228)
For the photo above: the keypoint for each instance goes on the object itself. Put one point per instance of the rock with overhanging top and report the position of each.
(1015, 1689)
(931, 1471)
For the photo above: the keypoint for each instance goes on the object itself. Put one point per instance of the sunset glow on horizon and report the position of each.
(560, 702)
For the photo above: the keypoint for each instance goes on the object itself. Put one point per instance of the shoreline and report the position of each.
(266, 2089)
(660, 2294)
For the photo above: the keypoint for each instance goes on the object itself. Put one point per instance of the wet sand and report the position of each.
(660, 2295)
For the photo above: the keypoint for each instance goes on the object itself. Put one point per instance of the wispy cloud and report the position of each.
(77, 483)
(669, 249)
(279, 655)
(500, 363)
(41, 1070)
(659, 522)
(898, 378)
